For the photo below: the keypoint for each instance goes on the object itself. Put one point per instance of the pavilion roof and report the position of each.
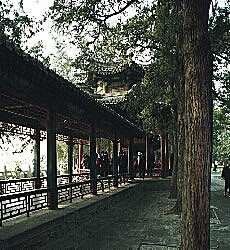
(128, 72)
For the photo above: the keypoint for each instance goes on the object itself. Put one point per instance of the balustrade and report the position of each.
(26, 184)
(19, 196)
(12, 205)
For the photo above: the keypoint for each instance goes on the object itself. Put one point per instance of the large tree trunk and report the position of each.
(180, 105)
(196, 194)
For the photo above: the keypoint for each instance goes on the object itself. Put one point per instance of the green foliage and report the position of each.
(104, 145)
(151, 34)
(221, 135)
(62, 152)
(63, 64)
(8, 138)
(14, 23)
(87, 19)
(219, 31)
(37, 51)
(145, 32)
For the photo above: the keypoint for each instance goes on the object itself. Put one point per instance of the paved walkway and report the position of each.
(133, 223)
(220, 214)
(138, 222)
(136, 218)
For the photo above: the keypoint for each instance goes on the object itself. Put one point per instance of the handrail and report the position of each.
(12, 205)
(24, 202)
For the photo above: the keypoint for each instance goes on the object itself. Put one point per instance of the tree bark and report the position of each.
(195, 233)
(173, 190)
(181, 141)
(180, 105)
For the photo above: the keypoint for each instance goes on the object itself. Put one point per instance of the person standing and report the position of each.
(142, 163)
(226, 176)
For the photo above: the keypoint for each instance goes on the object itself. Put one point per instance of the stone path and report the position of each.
(139, 220)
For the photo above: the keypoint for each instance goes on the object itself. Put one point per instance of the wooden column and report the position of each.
(147, 153)
(93, 174)
(70, 165)
(52, 161)
(130, 157)
(115, 161)
(166, 156)
(37, 159)
(70, 158)
(163, 155)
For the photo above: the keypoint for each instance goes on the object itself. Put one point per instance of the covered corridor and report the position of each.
(36, 102)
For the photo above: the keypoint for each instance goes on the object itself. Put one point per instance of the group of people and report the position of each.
(104, 164)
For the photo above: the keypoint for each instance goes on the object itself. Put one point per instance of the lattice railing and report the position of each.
(105, 183)
(17, 185)
(12, 205)
(18, 201)
(123, 178)
(80, 177)
(73, 190)
(26, 184)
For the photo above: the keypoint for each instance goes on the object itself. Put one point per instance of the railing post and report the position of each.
(102, 186)
(81, 191)
(28, 205)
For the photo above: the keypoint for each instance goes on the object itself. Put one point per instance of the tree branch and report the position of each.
(106, 17)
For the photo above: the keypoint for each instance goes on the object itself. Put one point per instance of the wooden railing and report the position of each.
(12, 205)
(25, 184)
(20, 196)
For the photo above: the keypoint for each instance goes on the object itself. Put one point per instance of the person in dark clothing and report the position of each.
(226, 176)
(123, 163)
(105, 164)
(215, 166)
(142, 163)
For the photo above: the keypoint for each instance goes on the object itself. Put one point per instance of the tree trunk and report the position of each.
(173, 190)
(195, 233)
(181, 142)
(180, 104)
